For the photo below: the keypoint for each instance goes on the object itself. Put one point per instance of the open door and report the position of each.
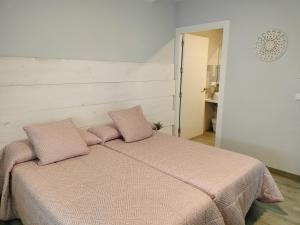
(193, 83)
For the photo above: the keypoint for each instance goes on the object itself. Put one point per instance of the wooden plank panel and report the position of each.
(43, 90)
(159, 109)
(19, 134)
(30, 71)
(85, 115)
(32, 98)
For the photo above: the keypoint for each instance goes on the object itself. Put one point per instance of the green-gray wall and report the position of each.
(261, 117)
(112, 30)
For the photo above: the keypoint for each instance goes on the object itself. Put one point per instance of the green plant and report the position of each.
(158, 125)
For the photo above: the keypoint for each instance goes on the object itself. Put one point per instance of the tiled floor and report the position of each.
(207, 138)
(284, 213)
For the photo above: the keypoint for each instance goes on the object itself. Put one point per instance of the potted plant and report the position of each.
(158, 125)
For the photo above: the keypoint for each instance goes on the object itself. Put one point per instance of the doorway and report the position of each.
(201, 64)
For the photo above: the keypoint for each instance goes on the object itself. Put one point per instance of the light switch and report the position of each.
(298, 97)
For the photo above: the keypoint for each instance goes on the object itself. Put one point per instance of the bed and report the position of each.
(102, 187)
(232, 180)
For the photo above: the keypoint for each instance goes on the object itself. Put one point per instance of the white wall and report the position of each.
(112, 30)
(261, 117)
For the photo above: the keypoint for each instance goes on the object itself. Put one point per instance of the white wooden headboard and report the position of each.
(43, 90)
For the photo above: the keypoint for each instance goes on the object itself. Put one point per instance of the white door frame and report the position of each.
(225, 25)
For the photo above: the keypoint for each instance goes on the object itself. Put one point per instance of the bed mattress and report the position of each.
(104, 187)
(232, 180)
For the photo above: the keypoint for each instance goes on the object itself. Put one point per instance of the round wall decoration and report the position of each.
(271, 45)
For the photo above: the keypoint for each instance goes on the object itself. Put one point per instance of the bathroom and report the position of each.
(201, 79)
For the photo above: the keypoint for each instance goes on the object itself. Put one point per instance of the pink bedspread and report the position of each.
(233, 180)
(103, 187)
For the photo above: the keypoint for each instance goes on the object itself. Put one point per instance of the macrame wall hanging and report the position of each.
(271, 45)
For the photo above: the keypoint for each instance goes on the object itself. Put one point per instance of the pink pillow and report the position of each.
(89, 138)
(56, 141)
(105, 132)
(132, 124)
